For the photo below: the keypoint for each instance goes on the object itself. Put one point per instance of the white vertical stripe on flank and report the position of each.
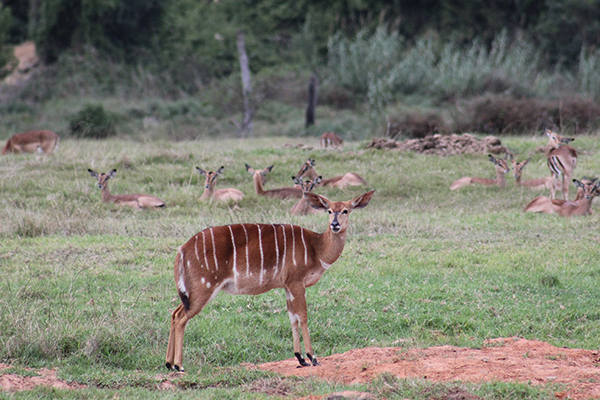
(293, 246)
(247, 245)
(214, 249)
(304, 244)
(204, 245)
(235, 271)
(262, 256)
(276, 251)
(196, 248)
(284, 247)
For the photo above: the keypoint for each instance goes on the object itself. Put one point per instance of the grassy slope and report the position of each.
(87, 287)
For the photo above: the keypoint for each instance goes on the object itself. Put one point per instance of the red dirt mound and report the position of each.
(507, 360)
(44, 377)
(443, 145)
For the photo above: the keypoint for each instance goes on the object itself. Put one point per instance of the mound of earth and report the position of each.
(444, 145)
(28, 378)
(504, 359)
(499, 360)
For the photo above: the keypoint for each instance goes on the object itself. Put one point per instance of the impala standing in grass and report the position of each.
(501, 167)
(562, 160)
(259, 176)
(349, 179)
(43, 141)
(253, 259)
(137, 201)
(210, 193)
(331, 140)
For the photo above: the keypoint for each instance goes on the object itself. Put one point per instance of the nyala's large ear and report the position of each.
(566, 139)
(362, 200)
(250, 169)
(94, 174)
(220, 170)
(317, 201)
(201, 171)
(579, 184)
(297, 181)
(112, 173)
(492, 159)
(549, 133)
(312, 162)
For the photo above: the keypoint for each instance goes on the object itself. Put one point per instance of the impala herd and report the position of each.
(250, 258)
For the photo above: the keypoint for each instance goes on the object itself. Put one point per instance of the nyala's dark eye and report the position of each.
(345, 212)
(329, 211)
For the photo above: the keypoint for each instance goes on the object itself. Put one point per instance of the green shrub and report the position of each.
(93, 122)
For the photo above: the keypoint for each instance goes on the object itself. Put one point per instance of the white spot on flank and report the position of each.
(203, 280)
(207, 284)
(324, 264)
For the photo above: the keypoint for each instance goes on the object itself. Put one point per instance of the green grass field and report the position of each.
(87, 287)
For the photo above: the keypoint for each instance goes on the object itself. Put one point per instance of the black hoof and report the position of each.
(178, 368)
(169, 367)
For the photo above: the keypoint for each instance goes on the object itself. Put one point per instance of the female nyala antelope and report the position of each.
(562, 160)
(137, 201)
(348, 179)
(259, 176)
(210, 193)
(302, 207)
(253, 259)
(501, 169)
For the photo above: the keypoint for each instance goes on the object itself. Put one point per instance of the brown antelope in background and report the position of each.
(219, 194)
(501, 167)
(587, 190)
(331, 140)
(137, 201)
(259, 176)
(302, 207)
(43, 141)
(534, 184)
(562, 160)
(253, 259)
(349, 179)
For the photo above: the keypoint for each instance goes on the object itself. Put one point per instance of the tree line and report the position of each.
(178, 35)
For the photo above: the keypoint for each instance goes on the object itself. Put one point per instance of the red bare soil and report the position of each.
(45, 377)
(506, 360)
(500, 360)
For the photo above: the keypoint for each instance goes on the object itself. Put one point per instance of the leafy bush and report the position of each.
(93, 122)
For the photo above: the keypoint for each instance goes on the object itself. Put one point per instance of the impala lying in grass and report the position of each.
(307, 170)
(501, 167)
(137, 201)
(253, 259)
(210, 193)
(302, 207)
(587, 190)
(259, 176)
